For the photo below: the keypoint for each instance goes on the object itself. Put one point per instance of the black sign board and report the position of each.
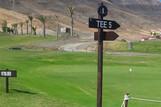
(103, 24)
(102, 10)
(107, 36)
(8, 73)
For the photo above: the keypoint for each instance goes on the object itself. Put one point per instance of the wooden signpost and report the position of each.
(7, 74)
(101, 24)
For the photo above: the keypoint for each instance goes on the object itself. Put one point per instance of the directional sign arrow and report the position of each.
(103, 24)
(107, 36)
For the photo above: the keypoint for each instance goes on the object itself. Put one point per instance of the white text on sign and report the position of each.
(5, 73)
(104, 24)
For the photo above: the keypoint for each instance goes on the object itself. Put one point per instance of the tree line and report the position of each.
(14, 27)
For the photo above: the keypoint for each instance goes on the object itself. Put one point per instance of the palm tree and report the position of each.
(27, 26)
(4, 26)
(21, 25)
(15, 28)
(71, 10)
(43, 21)
(34, 29)
(31, 19)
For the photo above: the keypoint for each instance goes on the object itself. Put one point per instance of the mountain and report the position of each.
(136, 17)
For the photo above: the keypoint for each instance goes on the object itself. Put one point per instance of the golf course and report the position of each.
(52, 78)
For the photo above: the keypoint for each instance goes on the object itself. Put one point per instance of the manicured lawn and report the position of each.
(66, 79)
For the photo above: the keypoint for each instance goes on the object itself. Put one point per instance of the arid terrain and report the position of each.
(137, 18)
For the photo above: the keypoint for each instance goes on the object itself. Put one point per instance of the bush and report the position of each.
(4, 26)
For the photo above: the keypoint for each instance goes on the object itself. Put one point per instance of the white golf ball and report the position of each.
(130, 69)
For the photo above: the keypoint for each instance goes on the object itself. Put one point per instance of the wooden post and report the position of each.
(102, 24)
(102, 12)
(7, 85)
(100, 65)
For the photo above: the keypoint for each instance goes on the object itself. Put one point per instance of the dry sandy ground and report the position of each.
(11, 16)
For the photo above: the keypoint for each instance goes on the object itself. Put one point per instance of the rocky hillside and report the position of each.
(137, 17)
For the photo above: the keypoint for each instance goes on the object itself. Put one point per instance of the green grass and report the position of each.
(116, 46)
(66, 79)
(138, 46)
(147, 46)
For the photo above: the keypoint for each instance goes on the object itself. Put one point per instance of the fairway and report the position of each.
(49, 78)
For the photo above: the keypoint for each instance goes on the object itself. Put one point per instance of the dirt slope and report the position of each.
(11, 16)
(137, 17)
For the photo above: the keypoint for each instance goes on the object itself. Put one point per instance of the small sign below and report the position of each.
(8, 73)
(103, 24)
(107, 36)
